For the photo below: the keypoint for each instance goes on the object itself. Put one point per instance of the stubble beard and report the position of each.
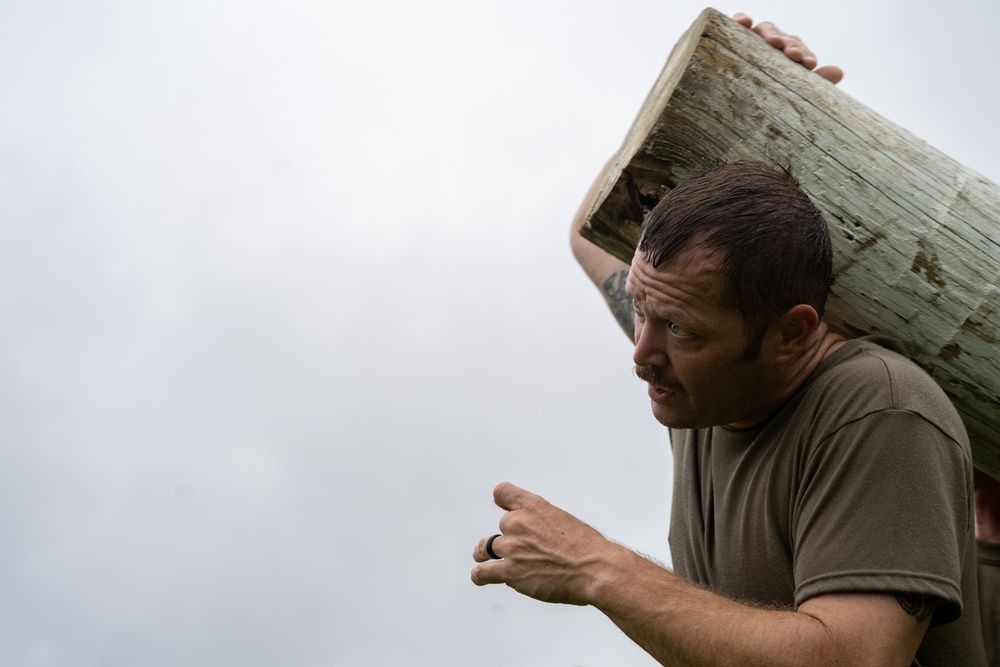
(685, 418)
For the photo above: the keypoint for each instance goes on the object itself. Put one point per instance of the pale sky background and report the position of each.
(286, 289)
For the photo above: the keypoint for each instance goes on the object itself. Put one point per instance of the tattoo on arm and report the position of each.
(918, 605)
(620, 301)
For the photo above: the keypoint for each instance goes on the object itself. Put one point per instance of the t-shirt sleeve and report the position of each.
(883, 507)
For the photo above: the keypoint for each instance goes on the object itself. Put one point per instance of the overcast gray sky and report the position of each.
(286, 289)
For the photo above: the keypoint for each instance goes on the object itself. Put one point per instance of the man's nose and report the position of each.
(649, 348)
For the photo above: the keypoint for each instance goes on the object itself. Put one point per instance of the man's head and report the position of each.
(773, 242)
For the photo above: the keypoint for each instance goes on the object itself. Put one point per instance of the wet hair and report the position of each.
(774, 244)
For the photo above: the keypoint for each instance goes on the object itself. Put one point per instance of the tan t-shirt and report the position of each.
(862, 481)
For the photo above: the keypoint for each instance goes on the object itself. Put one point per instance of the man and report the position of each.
(988, 553)
(822, 503)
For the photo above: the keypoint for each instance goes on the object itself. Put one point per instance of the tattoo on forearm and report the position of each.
(620, 301)
(918, 605)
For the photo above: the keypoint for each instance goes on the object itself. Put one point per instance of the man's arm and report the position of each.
(681, 624)
(550, 555)
(607, 272)
(987, 507)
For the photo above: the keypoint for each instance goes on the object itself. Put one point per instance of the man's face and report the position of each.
(689, 346)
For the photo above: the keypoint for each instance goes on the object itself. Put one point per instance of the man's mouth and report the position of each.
(656, 379)
(660, 394)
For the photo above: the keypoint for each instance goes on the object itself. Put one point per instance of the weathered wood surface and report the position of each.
(916, 235)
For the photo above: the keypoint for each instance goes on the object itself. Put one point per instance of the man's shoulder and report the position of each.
(874, 374)
(868, 355)
(880, 366)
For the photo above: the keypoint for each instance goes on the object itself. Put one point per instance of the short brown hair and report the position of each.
(776, 250)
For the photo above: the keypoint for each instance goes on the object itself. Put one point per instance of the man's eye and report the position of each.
(678, 331)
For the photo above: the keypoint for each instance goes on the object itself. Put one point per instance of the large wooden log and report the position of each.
(916, 236)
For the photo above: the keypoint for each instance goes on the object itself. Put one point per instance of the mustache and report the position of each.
(656, 376)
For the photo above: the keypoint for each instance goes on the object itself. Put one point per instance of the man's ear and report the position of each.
(793, 331)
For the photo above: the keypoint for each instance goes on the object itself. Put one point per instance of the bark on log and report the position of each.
(916, 236)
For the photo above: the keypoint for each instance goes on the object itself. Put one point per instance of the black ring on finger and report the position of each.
(489, 547)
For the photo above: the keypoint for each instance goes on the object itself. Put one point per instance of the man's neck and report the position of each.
(823, 342)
